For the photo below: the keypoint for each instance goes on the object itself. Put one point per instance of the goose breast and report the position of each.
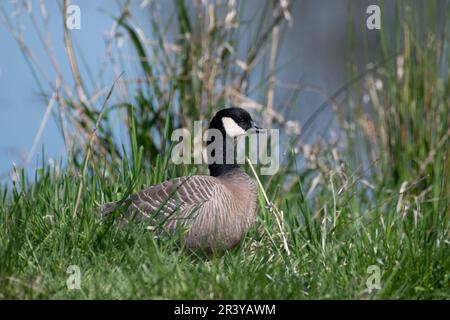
(213, 212)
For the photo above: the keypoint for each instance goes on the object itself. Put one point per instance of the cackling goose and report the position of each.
(216, 210)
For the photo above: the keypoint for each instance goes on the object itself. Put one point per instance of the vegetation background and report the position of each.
(374, 194)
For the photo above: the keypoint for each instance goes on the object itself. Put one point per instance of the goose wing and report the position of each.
(172, 200)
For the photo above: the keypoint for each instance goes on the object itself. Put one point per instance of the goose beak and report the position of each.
(255, 129)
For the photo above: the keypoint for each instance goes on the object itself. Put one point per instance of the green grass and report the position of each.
(40, 238)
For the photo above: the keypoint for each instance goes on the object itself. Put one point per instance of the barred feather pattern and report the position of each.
(215, 212)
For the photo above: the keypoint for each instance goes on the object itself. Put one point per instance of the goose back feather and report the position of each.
(215, 212)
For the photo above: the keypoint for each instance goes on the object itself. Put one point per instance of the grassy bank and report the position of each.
(330, 249)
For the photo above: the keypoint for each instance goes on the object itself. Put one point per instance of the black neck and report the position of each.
(217, 170)
(228, 149)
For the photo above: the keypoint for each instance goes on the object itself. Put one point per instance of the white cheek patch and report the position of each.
(232, 128)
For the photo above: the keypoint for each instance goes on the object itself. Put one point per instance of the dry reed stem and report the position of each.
(334, 199)
(270, 90)
(324, 229)
(272, 208)
(89, 147)
(256, 49)
(431, 155)
(41, 128)
(71, 56)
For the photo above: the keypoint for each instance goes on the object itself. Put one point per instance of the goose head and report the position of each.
(231, 122)
(234, 122)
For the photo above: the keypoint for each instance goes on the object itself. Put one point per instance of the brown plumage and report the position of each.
(214, 211)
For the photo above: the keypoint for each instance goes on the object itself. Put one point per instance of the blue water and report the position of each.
(314, 45)
(21, 105)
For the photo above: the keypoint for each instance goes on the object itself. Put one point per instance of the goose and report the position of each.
(216, 210)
